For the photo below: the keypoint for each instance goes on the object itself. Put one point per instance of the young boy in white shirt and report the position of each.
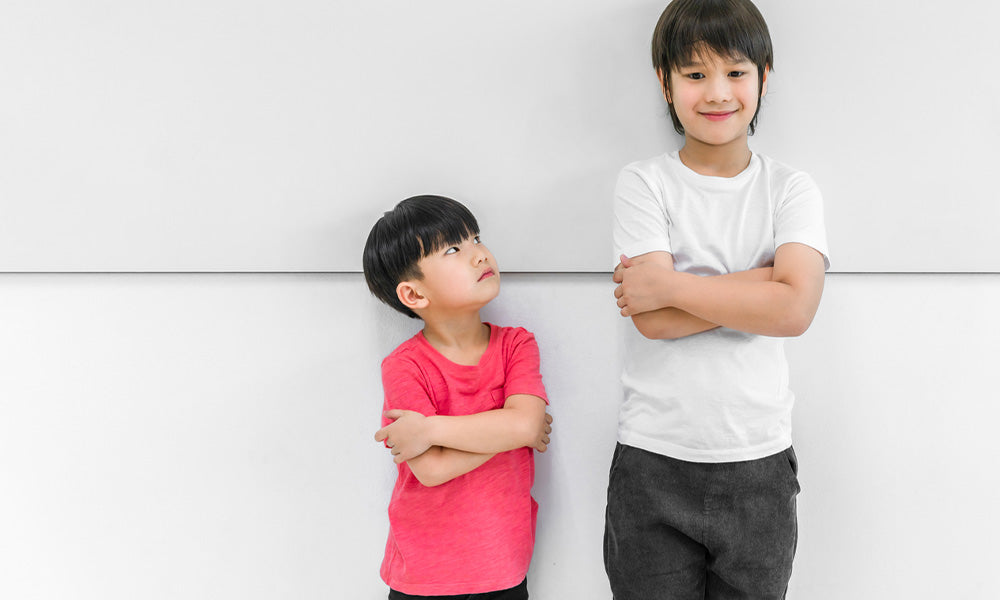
(722, 252)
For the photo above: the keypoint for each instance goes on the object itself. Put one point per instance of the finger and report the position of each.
(548, 429)
(380, 435)
(619, 292)
(624, 312)
(548, 418)
(622, 303)
(626, 261)
(393, 414)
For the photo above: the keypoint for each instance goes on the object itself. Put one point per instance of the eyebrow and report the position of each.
(727, 62)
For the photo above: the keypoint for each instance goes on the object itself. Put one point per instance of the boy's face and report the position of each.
(464, 276)
(715, 98)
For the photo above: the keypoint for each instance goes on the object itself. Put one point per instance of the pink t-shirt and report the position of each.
(475, 533)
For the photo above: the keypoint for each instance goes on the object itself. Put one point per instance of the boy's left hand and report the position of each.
(644, 282)
(406, 436)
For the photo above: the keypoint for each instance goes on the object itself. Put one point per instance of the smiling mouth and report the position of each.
(486, 274)
(718, 116)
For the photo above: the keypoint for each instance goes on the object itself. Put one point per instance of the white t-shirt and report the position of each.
(721, 395)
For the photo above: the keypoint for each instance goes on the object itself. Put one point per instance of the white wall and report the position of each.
(209, 436)
(267, 135)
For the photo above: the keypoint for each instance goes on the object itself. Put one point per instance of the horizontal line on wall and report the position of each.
(547, 273)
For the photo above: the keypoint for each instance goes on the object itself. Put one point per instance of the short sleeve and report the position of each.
(405, 387)
(641, 224)
(522, 373)
(799, 216)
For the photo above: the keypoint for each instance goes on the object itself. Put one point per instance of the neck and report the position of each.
(461, 339)
(716, 161)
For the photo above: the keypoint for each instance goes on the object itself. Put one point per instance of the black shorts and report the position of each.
(519, 592)
(680, 530)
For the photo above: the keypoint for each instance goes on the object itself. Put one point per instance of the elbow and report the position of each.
(654, 334)
(429, 477)
(795, 323)
(433, 482)
(652, 330)
(429, 469)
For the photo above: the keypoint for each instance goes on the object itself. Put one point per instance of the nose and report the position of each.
(719, 90)
(479, 254)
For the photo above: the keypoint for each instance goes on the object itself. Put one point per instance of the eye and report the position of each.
(451, 250)
(476, 240)
(737, 74)
(695, 76)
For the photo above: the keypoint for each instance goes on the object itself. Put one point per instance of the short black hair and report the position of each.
(730, 28)
(417, 227)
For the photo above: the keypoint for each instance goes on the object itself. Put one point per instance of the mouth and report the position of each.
(487, 274)
(719, 115)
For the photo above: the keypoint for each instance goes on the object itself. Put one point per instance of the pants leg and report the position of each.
(754, 531)
(652, 524)
(518, 592)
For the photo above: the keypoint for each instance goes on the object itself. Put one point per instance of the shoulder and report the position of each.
(652, 180)
(512, 335)
(649, 169)
(783, 176)
(513, 341)
(406, 356)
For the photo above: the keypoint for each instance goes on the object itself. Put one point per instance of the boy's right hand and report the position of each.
(406, 436)
(645, 282)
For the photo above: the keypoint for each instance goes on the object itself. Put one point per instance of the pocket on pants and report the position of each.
(793, 469)
(793, 461)
(616, 459)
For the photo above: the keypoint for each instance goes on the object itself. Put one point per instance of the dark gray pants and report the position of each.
(678, 530)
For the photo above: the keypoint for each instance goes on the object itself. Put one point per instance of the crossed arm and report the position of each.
(667, 304)
(440, 448)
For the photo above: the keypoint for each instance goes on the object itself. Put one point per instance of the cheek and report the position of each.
(685, 98)
(749, 94)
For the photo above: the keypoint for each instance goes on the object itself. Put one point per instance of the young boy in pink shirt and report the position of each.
(464, 409)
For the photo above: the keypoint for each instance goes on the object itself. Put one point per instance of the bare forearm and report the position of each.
(670, 323)
(762, 307)
(673, 322)
(521, 422)
(439, 465)
(489, 432)
(782, 306)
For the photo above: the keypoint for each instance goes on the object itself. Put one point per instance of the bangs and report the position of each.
(448, 232)
(693, 29)
(422, 225)
(702, 53)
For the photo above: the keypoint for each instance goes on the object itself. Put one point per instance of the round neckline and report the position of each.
(715, 180)
(482, 359)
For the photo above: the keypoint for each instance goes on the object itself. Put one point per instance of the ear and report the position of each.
(664, 85)
(410, 295)
(763, 84)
